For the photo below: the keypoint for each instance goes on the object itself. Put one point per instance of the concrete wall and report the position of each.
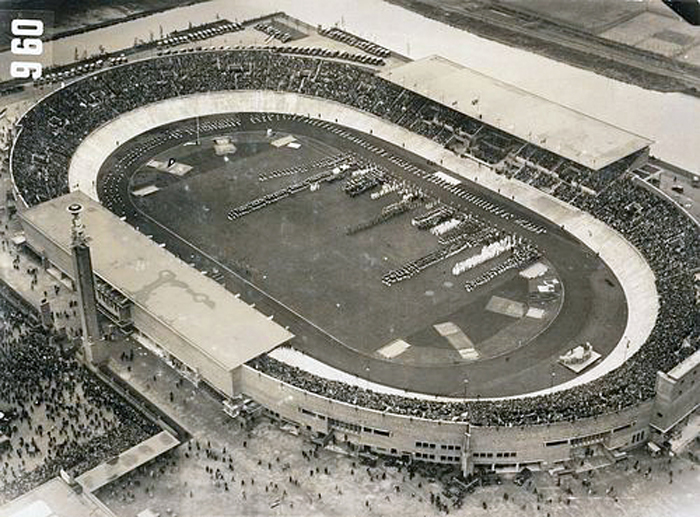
(379, 430)
(492, 447)
(677, 395)
(45, 247)
(216, 375)
(548, 444)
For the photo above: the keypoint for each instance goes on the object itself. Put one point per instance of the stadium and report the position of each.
(406, 257)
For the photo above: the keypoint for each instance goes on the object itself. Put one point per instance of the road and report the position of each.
(573, 40)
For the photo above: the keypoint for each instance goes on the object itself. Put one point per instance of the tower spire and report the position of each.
(93, 345)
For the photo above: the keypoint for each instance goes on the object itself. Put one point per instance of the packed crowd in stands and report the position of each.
(63, 119)
(667, 238)
(57, 413)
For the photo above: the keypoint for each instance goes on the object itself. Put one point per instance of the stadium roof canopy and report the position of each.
(568, 133)
(190, 304)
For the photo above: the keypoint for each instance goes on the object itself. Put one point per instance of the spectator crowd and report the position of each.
(57, 414)
(669, 241)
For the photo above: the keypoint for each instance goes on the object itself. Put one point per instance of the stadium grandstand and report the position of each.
(581, 165)
(562, 131)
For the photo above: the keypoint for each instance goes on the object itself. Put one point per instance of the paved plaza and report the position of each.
(266, 470)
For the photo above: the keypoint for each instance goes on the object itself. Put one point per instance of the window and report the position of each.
(344, 425)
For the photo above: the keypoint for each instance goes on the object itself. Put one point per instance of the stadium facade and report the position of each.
(196, 322)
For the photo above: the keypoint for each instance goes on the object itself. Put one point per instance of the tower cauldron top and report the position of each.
(77, 230)
(75, 208)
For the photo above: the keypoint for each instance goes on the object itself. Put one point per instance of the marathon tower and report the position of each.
(94, 346)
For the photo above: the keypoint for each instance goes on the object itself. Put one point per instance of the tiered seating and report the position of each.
(52, 131)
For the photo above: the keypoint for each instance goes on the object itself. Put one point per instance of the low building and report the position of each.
(189, 316)
(56, 498)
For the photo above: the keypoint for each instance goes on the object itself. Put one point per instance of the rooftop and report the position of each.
(131, 459)
(685, 366)
(192, 305)
(55, 498)
(561, 130)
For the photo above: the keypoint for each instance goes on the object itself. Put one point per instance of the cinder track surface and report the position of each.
(261, 256)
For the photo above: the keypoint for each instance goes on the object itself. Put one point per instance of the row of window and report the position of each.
(380, 432)
(345, 425)
(443, 446)
(428, 456)
(496, 454)
(591, 438)
(638, 436)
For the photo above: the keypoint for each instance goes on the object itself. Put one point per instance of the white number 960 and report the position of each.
(28, 44)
